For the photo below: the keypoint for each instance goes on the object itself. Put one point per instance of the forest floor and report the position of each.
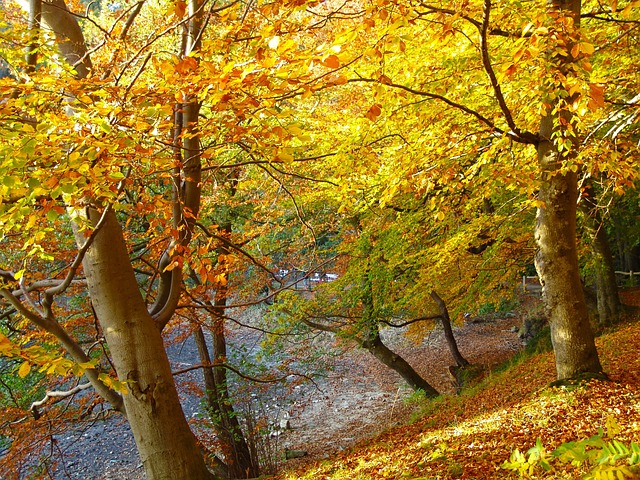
(472, 435)
(360, 399)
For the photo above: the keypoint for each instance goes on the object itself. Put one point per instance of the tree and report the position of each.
(113, 140)
(165, 442)
(529, 82)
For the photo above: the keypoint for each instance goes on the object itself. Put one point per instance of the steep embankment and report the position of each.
(470, 436)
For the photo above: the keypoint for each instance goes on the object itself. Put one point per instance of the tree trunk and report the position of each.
(609, 305)
(238, 456)
(238, 460)
(221, 468)
(165, 443)
(373, 343)
(448, 331)
(398, 364)
(555, 232)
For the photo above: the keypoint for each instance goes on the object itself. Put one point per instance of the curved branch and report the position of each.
(293, 199)
(434, 96)
(497, 90)
(50, 292)
(234, 370)
(235, 247)
(70, 345)
(255, 161)
(56, 396)
(524, 138)
(409, 322)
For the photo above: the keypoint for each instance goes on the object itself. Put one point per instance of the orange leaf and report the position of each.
(180, 8)
(332, 61)
(596, 92)
(374, 112)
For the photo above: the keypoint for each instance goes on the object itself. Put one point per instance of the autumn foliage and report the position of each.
(166, 165)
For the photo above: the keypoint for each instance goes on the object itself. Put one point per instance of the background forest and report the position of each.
(280, 182)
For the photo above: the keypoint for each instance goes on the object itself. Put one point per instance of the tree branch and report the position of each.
(56, 396)
(70, 345)
(527, 137)
(50, 292)
(235, 247)
(234, 370)
(409, 322)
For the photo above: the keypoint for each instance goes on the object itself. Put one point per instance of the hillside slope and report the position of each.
(472, 435)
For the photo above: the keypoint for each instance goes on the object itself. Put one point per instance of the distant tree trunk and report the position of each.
(165, 443)
(398, 364)
(555, 232)
(240, 462)
(608, 300)
(373, 343)
(448, 331)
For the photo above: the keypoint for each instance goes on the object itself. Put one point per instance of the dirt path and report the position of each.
(360, 399)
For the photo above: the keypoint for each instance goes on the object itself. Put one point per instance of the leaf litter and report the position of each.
(470, 436)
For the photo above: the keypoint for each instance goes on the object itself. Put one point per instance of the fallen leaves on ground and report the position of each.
(470, 436)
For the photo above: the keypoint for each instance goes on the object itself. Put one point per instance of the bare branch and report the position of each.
(232, 369)
(70, 345)
(50, 292)
(56, 396)
(132, 16)
(237, 248)
(413, 320)
(295, 202)
(497, 90)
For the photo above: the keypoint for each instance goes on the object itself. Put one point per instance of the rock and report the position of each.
(289, 454)
(285, 424)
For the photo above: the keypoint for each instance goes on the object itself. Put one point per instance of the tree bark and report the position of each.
(608, 300)
(373, 343)
(448, 331)
(68, 35)
(165, 443)
(555, 232)
(398, 364)
(239, 459)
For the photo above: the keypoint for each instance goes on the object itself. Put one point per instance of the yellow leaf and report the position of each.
(587, 48)
(106, 379)
(295, 130)
(24, 369)
(285, 157)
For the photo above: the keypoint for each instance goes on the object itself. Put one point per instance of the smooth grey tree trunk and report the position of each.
(166, 445)
(448, 331)
(555, 233)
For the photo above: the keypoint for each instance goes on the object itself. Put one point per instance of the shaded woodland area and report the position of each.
(280, 184)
